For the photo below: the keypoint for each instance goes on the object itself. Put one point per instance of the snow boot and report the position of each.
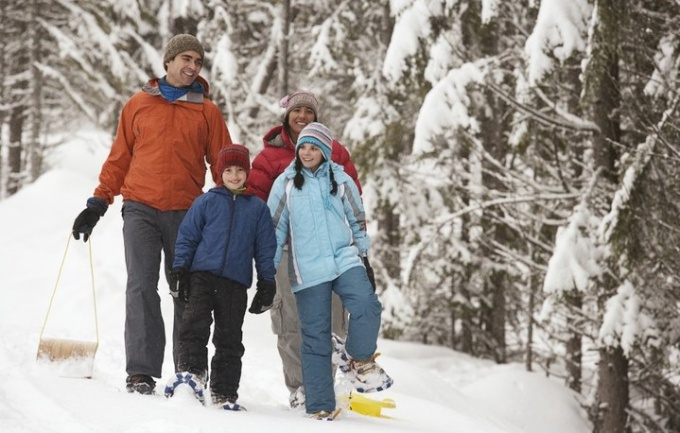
(340, 357)
(325, 415)
(227, 403)
(368, 376)
(195, 382)
(298, 398)
(140, 384)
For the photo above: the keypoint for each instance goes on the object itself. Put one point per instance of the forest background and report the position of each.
(519, 158)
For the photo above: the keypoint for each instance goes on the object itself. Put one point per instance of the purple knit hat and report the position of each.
(319, 135)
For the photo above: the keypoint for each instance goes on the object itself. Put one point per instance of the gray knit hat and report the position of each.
(179, 44)
(300, 98)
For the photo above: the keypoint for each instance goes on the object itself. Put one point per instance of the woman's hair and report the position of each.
(299, 178)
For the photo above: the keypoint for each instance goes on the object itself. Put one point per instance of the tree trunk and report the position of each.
(283, 51)
(612, 392)
(612, 397)
(34, 147)
(14, 157)
(574, 350)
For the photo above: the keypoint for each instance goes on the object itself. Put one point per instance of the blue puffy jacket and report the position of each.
(326, 234)
(223, 232)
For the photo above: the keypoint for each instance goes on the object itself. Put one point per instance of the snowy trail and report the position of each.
(436, 389)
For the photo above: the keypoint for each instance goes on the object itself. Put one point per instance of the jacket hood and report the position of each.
(278, 137)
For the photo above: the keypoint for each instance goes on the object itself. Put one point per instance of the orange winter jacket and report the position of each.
(158, 156)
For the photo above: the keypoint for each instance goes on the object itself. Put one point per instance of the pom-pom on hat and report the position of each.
(234, 154)
(319, 135)
(299, 98)
(179, 44)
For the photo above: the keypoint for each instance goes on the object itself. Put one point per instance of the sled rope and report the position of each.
(56, 285)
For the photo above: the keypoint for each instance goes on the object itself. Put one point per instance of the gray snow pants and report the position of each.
(146, 233)
(286, 325)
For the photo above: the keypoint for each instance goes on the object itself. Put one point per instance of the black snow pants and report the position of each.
(227, 300)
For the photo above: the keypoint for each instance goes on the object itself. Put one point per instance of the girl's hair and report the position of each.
(299, 179)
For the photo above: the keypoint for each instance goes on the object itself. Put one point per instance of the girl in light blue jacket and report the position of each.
(317, 211)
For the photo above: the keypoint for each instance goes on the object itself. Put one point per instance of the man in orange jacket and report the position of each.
(166, 133)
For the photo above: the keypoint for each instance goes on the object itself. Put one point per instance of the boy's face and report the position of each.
(184, 68)
(234, 177)
(310, 156)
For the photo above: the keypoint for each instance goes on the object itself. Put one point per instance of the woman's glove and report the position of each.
(370, 273)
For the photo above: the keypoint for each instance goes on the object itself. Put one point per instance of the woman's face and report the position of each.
(298, 118)
(310, 156)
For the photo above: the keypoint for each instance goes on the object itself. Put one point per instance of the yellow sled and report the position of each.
(363, 405)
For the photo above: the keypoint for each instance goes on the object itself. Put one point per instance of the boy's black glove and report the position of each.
(264, 297)
(87, 219)
(179, 285)
(370, 273)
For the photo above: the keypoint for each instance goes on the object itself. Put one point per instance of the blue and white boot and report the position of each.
(186, 380)
(227, 403)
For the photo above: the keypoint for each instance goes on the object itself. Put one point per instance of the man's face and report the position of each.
(184, 68)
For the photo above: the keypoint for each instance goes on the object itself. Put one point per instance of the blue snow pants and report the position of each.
(314, 309)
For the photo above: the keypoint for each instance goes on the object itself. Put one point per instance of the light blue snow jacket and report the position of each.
(326, 234)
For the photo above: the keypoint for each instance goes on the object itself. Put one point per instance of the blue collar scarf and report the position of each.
(172, 93)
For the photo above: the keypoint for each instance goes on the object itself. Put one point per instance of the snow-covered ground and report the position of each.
(436, 389)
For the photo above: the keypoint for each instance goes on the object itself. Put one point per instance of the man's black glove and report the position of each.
(87, 219)
(370, 273)
(179, 284)
(264, 297)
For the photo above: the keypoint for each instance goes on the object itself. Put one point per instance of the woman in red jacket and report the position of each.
(301, 108)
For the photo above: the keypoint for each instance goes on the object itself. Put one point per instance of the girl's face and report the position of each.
(184, 68)
(234, 177)
(310, 156)
(298, 118)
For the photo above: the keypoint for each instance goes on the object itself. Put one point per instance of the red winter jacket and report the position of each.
(278, 152)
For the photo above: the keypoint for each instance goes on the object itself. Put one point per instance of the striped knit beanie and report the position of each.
(299, 98)
(317, 134)
(234, 154)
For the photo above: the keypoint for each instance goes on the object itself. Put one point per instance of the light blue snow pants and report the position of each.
(314, 308)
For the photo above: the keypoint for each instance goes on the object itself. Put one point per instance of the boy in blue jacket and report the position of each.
(318, 213)
(222, 233)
